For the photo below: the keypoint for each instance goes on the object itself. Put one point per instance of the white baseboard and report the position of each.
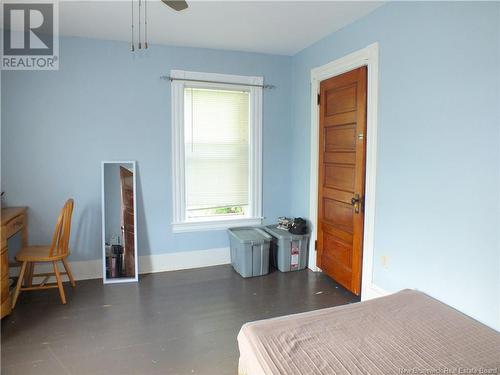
(184, 260)
(367, 292)
(92, 269)
(373, 291)
(82, 269)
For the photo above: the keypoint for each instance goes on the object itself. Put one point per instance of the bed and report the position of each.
(404, 333)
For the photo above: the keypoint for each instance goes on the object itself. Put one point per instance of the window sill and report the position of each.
(197, 226)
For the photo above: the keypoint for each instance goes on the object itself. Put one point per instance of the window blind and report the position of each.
(216, 133)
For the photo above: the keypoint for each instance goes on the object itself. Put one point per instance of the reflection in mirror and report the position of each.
(119, 222)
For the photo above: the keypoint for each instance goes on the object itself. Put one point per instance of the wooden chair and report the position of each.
(57, 251)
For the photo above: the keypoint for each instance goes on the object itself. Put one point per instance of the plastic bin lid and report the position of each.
(250, 235)
(284, 234)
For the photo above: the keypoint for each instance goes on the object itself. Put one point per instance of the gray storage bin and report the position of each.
(288, 251)
(249, 251)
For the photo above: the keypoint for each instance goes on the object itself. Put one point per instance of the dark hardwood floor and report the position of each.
(182, 322)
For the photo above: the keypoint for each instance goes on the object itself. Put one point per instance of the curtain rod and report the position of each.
(170, 78)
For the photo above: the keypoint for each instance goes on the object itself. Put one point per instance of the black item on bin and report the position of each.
(108, 267)
(117, 251)
(299, 226)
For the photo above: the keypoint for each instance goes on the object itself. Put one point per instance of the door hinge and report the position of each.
(319, 99)
(316, 245)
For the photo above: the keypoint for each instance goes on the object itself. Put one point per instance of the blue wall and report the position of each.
(437, 194)
(106, 103)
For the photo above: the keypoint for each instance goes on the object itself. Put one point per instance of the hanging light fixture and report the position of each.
(142, 17)
(132, 27)
(146, 24)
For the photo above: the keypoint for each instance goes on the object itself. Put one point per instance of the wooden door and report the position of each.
(341, 188)
(127, 220)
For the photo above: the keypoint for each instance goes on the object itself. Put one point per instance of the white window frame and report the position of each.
(185, 79)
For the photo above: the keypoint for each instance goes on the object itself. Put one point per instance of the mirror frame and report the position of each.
(105, 280)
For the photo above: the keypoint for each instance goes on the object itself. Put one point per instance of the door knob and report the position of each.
(356, 202)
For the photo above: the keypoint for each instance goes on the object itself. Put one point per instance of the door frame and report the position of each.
(367, 56)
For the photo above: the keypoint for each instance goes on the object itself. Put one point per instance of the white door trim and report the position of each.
(367, 56)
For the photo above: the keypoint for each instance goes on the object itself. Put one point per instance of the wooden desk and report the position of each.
(14, 219)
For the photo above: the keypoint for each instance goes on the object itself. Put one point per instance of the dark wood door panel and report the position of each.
(127, 219)
(341, 251)
(337, 195)
(340, 138)
(338, 214)
(339, 100)
(339, 176)
(337, 233)
(340, 119)
(342, 177)
(342, 274)
(341, 157)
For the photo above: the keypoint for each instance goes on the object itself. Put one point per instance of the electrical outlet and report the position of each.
(384, 259)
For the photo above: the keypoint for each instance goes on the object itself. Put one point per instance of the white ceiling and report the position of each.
(278, 27)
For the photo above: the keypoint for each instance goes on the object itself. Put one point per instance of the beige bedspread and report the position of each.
(404, 333)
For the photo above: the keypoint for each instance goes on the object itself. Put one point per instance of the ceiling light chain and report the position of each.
(145, 20)
(139, 24)
(146, 24)
(132, 44)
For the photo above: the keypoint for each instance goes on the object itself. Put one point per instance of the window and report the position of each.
(216, 134)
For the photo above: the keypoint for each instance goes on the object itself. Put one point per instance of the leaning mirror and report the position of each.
(119, 222)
